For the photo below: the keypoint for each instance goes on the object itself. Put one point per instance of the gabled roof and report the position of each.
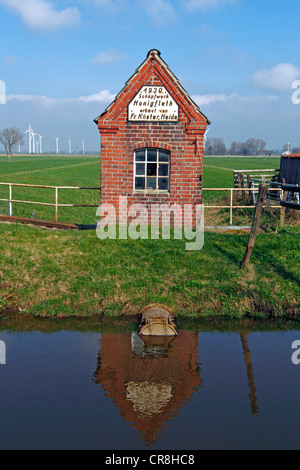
(153, 64)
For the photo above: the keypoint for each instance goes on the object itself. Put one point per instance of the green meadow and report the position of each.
(51, 273)
(52, 171)
(84, 171)
(218, 171)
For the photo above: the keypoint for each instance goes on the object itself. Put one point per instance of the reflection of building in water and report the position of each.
(149, 380)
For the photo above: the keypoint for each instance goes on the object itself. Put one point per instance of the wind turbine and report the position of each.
(34, 143)
(30, 135)
(205, 138)
(70, 145)
(82, 146)
(56, 138)
(40, 136)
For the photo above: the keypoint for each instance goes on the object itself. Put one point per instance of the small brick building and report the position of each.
(152, 140)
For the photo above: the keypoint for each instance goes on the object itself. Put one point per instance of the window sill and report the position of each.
(147, 192)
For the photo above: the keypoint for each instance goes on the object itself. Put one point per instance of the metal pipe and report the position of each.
(231, 205)
(10, 201)
(56, 204)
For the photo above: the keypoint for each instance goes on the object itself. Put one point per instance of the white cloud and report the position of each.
(108, 57)
(205, 4)
(160, 11)
(42, 15)
(206, 100)
(52, 116)
(209, 99)
(278, 78)
(112, 6)
(10, 60)
(104, 96)
(101, 97)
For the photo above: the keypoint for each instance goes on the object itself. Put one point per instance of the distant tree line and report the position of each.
(216, 146)
(250, 147)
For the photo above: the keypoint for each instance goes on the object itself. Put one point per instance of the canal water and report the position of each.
(100, 387)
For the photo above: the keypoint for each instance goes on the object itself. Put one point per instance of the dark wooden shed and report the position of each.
(290, 169)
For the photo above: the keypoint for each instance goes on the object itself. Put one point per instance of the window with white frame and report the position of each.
(151, 170)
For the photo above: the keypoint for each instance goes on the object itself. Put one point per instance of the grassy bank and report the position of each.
(60, 274)
(66, 274)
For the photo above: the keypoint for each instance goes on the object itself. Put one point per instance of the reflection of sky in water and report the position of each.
(114, 391)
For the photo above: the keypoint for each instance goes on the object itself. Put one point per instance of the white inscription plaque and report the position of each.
(153, 104)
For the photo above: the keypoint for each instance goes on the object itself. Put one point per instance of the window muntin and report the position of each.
(152, 170)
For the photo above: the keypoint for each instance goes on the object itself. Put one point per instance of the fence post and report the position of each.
(10, 200)
(231, 204)
(263, 190)
(56, 204)
(242, 186)
(249, 184)
(236, 179)
(284, 195)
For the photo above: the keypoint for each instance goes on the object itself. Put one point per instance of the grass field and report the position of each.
(218, 171)
(65, 273)
(52, 171)
(50, 273)
(85, 171)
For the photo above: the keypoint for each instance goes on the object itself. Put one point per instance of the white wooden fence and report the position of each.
(57, 205)
(232, 206)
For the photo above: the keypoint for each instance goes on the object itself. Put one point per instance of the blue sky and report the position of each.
(63, 61)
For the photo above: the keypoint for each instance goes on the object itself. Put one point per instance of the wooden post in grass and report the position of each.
(250, 195)
(236, 179)
(263, 190)
(243, 186)
(284, 196)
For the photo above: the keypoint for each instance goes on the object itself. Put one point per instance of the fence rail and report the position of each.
(251, 179)
(55, 204)
(231, 206)
(290, 188)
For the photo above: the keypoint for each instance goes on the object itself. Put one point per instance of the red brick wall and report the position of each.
(120, 138)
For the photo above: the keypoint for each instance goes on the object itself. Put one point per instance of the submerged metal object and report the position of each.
(157, 320)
